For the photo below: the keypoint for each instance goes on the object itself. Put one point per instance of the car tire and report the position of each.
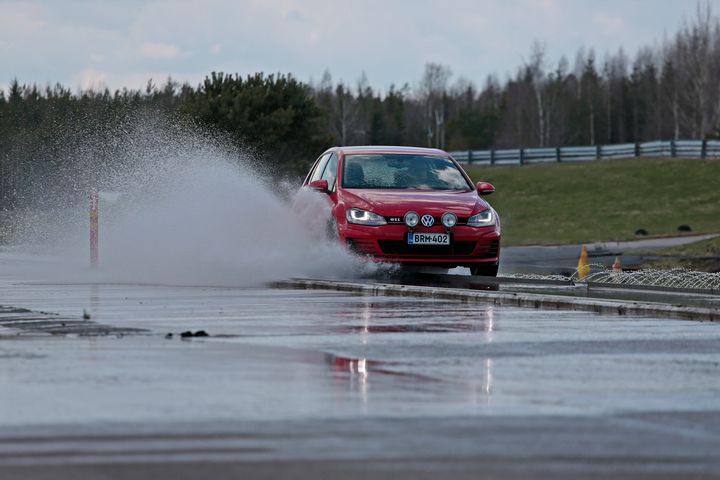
(489, 270)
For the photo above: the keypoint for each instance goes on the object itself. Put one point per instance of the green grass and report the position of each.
(703, 248)
(703, 256)
(603, 200)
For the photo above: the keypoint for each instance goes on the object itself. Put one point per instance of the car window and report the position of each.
(317, 173)
(330, 173)
(403, 171)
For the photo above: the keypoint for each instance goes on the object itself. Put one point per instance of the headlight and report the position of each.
(412, 219)
(449, 219)
(363, 217)
(483, 219)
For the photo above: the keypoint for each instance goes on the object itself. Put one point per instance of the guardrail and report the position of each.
(522, 156)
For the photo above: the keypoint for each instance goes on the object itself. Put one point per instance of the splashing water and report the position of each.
(189, 213)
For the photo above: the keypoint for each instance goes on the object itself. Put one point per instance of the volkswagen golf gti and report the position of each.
(407, 205)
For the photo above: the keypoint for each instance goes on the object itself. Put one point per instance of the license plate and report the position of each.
(428, 239)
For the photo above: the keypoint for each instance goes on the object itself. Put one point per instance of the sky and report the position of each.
(115, 44)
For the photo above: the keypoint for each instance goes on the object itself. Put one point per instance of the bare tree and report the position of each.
(694, 58)
(345, 114)
(538, 80)
(433, 90)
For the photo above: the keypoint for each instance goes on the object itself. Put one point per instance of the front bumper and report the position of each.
(388, 243)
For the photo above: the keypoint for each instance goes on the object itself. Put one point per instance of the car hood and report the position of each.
(399, 202)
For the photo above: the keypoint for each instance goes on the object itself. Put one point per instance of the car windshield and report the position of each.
(402, 171)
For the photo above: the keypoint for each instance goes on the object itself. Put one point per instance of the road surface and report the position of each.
(315, 384)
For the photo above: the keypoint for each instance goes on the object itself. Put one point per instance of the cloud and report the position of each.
(91, 78)
(18, 17)
(97, 57)
(551, 5)
(295, 15)
(139, 80)
(608, 24)
(49, 41)
(98, 79)
(160, 51)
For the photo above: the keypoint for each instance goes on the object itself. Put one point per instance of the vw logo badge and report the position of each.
(427, 220)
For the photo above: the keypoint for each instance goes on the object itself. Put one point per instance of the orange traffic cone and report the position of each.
(617, 266)
(583, 268)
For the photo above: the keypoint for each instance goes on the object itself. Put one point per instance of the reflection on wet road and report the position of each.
(298, 376)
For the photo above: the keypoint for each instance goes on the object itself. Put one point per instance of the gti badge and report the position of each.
(427, 220)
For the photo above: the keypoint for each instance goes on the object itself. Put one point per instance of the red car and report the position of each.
(409, 206)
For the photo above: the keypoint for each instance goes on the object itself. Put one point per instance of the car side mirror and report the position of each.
(485, 188)
(321, 185)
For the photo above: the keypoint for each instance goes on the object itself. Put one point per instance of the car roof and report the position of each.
(379, 149)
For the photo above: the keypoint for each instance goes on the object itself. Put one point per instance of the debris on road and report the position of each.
(189, 334)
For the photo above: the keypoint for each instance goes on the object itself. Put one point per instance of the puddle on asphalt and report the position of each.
(437, 280)
(415, 328)
(360, 373)
(399, 317)
(363, 367)
(28, 321)
(21, 356)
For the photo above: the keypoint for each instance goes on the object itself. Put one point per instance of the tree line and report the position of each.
(670, 91)
(667, 91)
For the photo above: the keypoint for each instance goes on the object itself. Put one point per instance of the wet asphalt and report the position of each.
(315, 384)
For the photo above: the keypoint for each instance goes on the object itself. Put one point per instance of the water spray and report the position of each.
(192, 211)
(94, 227)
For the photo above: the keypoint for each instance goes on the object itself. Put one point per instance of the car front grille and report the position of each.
(400, 247)
(362, 247)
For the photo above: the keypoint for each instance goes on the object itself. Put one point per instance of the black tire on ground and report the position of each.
(489, 270)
